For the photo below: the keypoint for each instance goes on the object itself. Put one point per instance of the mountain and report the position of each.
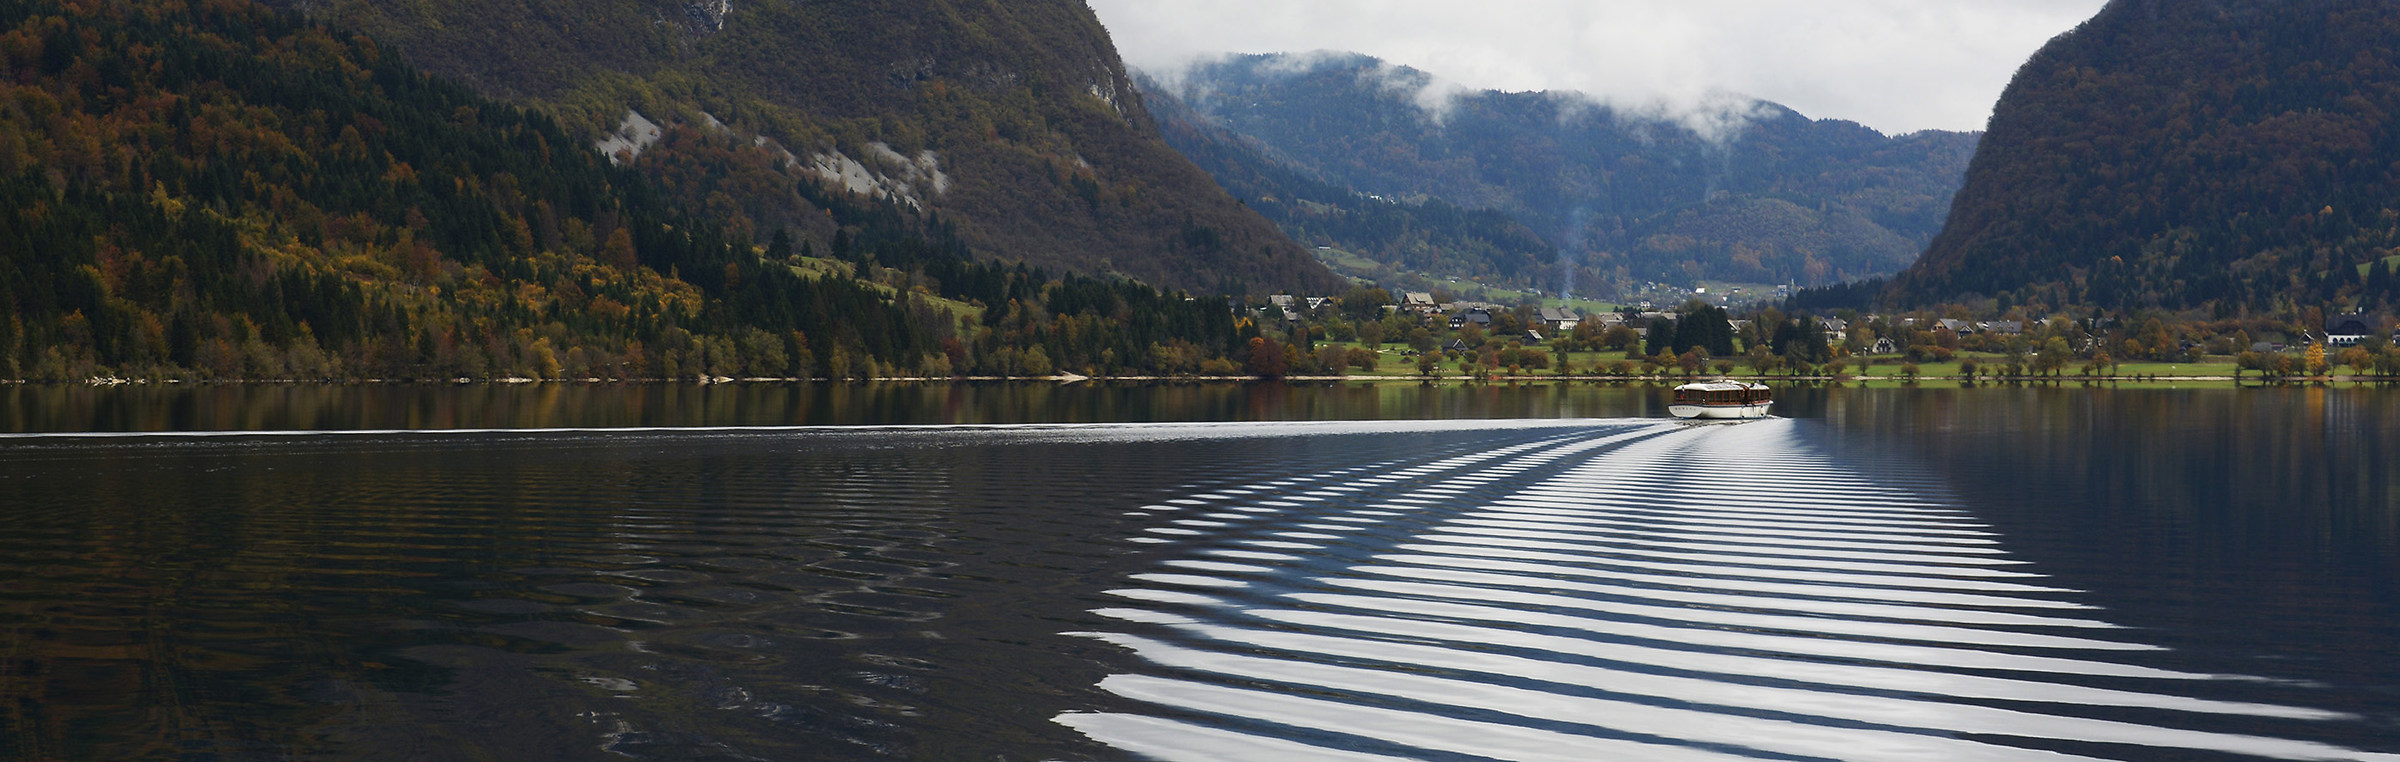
(1012, 125)
(1424, 235)
(1744, 191)
(2227, 155)
(224, 191)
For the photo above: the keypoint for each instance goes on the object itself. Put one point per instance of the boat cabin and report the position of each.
(1721, 399)
(1721, 394)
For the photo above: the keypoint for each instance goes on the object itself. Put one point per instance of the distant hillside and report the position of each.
(1011, 124)
(1425, 235)
(1765, 196)
(2236, 154)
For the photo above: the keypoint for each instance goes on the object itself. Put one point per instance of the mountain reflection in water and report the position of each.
(1918, 574)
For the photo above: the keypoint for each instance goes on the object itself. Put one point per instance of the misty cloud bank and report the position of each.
(1896, 65)
(1716, 116)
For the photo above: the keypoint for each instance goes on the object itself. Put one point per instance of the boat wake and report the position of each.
(1642, 591)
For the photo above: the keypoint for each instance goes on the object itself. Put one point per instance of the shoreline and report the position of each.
(1064, 379)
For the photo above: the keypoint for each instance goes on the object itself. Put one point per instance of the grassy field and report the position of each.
(819, 267)
(1891, 365)
(1355, 267)
(1881, 371)
(1345, 263)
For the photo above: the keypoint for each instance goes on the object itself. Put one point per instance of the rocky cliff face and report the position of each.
(2228, 155)
(1013, 125)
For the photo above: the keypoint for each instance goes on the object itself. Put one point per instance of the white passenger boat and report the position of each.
(1721, 399)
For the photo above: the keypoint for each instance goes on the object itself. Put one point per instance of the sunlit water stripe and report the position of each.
(1510, 510)
(1557, 690)
(1737, 619)
(1597, 500)
(1674, 634)
(1434, 732)
(1752, 601)
(1794, 545)
(1678, 653)
(1729, 555)
(1724, 515)
(1741, 585)
(1636, 591)
(1627, 560)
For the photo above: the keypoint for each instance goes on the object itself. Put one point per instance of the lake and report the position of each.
(1333, 571)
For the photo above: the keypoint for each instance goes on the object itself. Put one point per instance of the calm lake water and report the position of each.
(1196, 572)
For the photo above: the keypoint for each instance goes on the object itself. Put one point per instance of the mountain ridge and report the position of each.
(1049, 155)
(1428, 236)
(1633, 196)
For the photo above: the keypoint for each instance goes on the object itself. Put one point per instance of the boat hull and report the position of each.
(1751, 410)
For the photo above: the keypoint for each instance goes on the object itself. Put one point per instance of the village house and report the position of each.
(2347, 330)
(1289, 305)
(1835, 329)
(1480, 317)
(1560, 319)
(1419, 302)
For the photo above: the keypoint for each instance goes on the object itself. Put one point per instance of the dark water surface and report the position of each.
(352, 407)
(1333, 572)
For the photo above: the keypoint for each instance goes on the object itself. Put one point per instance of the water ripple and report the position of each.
(1638, 591)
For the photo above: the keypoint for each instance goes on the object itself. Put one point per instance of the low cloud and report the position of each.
(1718, 116)
(1432, 94)
(1895, 65)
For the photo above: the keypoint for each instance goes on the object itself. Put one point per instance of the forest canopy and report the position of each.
(219, 190)
(2228, 157)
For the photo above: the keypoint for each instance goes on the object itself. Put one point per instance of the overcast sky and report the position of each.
(1894, 65)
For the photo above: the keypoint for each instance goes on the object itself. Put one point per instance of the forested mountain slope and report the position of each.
(1011, 123)
(220, 190)
(1748, 192)
(2230, 155)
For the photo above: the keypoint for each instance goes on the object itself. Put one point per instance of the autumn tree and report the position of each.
(1266, 359)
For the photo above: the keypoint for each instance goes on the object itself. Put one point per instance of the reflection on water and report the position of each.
(1648, 591)
(1893, 574)
(2251, 531)
(818, 594)
(354, 407)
